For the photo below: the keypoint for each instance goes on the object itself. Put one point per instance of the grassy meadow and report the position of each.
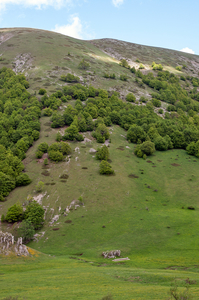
(145, 217)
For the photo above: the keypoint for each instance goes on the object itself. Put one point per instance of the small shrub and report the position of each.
(141, 67)
(43, 147)
(160, 111)
(179, 68)
(39, 187)
(102, 153)
(3, 218)
(105, 168)
(137, 60)
(42, 92)
(26, 230)
(45, 161)
(130, 97)
(83, 65)
(39, 154)
(123, 77)
(124, 63)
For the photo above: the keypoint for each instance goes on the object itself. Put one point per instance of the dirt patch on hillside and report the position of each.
(133, 176)
(175, 165)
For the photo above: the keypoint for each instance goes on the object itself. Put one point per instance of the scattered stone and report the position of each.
(92, 150)
(111, 254)
(54, 219)
(121, 259)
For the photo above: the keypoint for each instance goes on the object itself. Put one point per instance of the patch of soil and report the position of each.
(55, 229)
(175, 165)
(52, 183)
(149, 161)
(153, 166)
(68, 221)
(46, 173)
(62, 180)
(64, 176)
(119, 148)
(109, 160)
(48, 183)
(159, 160)
(47, 124)
(84, 168)
(191, 208)
(133, 176)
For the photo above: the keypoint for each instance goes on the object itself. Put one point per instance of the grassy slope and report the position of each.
(117, 202)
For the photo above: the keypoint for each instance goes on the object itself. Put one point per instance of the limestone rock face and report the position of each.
(8, 245)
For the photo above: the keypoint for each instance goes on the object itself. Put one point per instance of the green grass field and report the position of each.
(150, 227)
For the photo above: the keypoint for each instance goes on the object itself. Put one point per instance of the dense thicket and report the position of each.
(19, 127)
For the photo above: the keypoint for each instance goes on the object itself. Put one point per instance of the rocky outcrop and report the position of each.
(111, 254)
(8, 245)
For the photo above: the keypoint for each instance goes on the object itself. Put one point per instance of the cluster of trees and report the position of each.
(111, 76)
(19, 128)
(56, 151)
(32, 218)
(103, 155)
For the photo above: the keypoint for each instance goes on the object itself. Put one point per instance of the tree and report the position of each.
(55, 155)
(35, 214)
(26, 230)
(161, 143)
(105, 168)
(130, 97)
(148, 148)
(124, 63)
(136, 133)
(42, 91)
(14, 213)
(23, 179)
(43, 147)
(102, 153)
(83, 65)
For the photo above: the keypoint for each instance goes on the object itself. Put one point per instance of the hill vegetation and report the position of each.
(109, 162)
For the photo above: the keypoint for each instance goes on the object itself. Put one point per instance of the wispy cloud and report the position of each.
(187, 50)
(117, 3)
(35, 3)
(73, 29)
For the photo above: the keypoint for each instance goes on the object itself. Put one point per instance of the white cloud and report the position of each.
(37, 3)
(187, 50)
(73, 29)
(117, 3)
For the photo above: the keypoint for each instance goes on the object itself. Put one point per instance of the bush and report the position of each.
(22, 179)
(156, 102)
(39, 154)
(123, 77)
(55, 155)
(15, 213)
(47, 112)
(148, 148)
(42, 92)
(161, 143)
(26, 230)
(3, 218)
(141, 66)
(35, 214)
(179, 68)
(43, 147)
(130, 97)
(102, 153)
(124, 63)
(83, 65)
(39, 187)
(160, 111)
(105, 168)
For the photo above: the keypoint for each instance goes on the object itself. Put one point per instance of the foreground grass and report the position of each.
(64, 278)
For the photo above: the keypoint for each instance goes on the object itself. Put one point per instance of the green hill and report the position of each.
(144, 208)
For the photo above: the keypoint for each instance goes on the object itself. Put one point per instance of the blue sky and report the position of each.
(172, 24)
